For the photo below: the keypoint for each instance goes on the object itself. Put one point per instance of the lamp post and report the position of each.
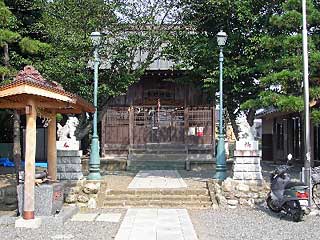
(221, 166)
(94, 162)
(307, 148)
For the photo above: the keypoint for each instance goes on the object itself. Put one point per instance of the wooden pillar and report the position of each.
(131, 124)
(312, 143)
(103, 133)
(186, 125)
(274, 141)
(285, 139)
(213, 130)
(30, 155)
(52, 147)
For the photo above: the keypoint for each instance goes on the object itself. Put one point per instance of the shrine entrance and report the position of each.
(127, 127)
(154, 125)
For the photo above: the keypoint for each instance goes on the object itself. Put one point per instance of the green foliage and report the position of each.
(7, 36)
(59, 117)
(30, 46)
(315, 93)
(7, 23)
(290, 103)
(315, 116)
(18, 31)
(282, 77)
(246, 59)
(7, 19)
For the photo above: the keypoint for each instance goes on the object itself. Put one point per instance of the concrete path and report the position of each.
(157, 179)
(156, 224)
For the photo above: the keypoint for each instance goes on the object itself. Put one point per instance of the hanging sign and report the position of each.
(200, 131)
(191, 131)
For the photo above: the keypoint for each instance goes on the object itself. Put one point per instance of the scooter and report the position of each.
(286, 195)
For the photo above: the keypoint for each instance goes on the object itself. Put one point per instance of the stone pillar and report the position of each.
(246, 166)
(30, 154)
(52, 148)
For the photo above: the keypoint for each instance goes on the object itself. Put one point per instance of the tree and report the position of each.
(246, 22)
(129, 28)
(23, 50)
(283, 75)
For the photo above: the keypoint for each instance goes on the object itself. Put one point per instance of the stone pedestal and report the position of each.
(31, 223)
(246, 166)
(68, 144)
(48, 198)
(69, 165)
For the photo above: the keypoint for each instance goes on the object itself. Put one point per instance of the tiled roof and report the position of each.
(31, 77)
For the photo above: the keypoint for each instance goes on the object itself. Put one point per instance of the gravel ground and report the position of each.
(70, 230)
(221, 224)
(239, 224)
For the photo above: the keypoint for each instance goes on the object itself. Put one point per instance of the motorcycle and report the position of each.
(286, 195)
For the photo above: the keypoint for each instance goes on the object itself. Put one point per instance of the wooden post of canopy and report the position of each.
(52, 147)
(30, 155)
(29, 92)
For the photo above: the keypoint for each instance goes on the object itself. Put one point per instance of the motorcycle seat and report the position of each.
(294, 184)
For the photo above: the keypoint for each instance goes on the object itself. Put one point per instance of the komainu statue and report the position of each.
(67, 131)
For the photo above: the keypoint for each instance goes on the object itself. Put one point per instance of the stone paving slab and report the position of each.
(109, 217)
(88, 217)
(156, 224)
(157, 179)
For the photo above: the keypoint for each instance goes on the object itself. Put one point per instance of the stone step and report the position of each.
(158, 151)
(136, 165)
(201, 157)
(158, 197)
(157, 203)
(161, 146)
(158, 157)
(141, 192)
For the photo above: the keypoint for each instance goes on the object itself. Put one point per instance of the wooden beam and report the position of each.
(52, 148)
(66, 111)
(12, 105)
(54, 105)
(35, 91)
(30, 155)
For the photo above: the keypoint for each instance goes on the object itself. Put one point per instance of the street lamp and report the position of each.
(221, 166)
(307, 145)
(94, 162)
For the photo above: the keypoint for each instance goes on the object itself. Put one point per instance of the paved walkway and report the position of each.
(156, 224)
(157, 179)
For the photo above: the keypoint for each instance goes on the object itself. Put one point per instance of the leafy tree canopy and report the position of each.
(282, 78)
(246, 22)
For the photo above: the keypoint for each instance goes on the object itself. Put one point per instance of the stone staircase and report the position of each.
(157, 157)
(157, 198)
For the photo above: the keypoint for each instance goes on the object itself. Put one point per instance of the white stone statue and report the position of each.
(67, 131)
(246, 132)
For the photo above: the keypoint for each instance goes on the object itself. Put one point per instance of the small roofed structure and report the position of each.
(34, 96)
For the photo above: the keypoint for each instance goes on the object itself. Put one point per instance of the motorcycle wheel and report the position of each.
(296, 212)
(271, 206)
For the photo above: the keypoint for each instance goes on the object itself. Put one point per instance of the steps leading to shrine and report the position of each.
(157, 198)
(157, 156)
(166, 156)
(155, 165)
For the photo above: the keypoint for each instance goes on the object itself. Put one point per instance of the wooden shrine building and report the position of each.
(160, 124)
